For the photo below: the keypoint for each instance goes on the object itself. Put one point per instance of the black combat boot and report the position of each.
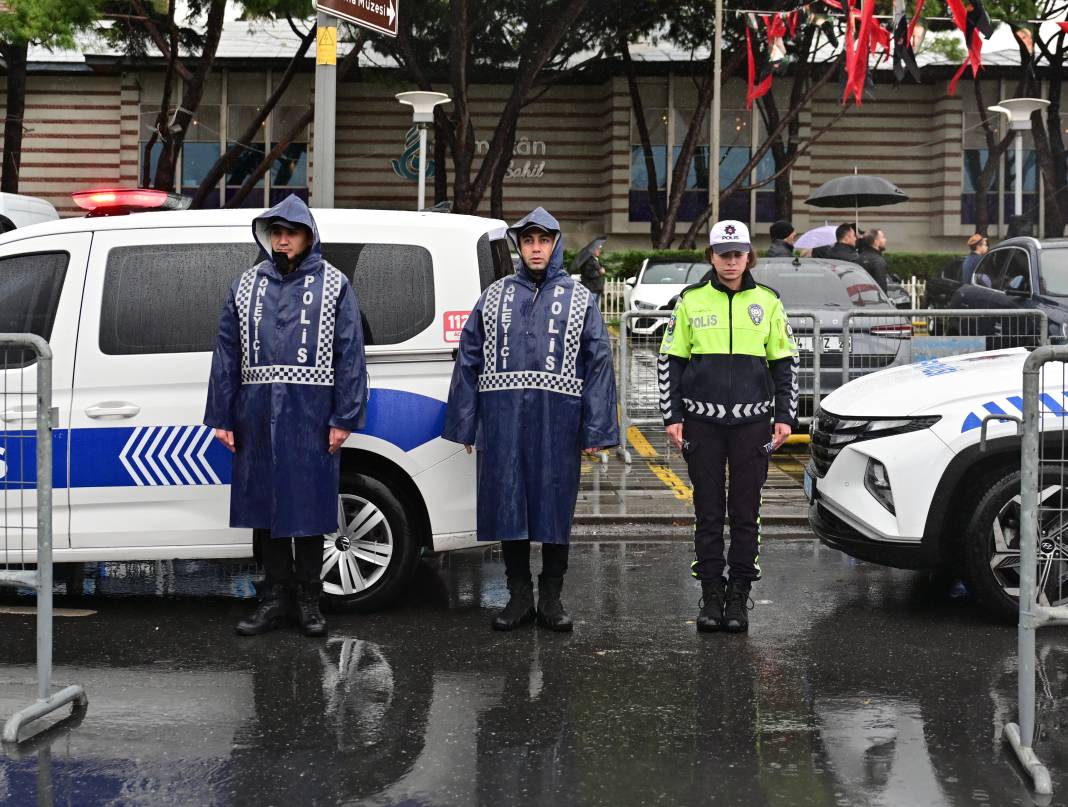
(551, 611)
(273, 612)
(520, 608)
(308, 614)
(711, 616)
(736, 613)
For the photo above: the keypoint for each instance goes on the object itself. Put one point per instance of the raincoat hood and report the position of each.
(291, 210)
(541, 217)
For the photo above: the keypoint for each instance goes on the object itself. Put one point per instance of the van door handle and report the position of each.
(27, 413)
(113, 409)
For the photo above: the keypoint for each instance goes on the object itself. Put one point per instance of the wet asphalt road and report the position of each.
(857, 686)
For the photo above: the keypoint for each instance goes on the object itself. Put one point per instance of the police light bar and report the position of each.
(119, 201)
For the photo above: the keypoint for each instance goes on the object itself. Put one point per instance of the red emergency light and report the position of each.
(119, 201)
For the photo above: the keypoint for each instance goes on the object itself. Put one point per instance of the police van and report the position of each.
(899, 477)
(130, 305)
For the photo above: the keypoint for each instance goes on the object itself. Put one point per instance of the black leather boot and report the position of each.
(551, 611)
(736, 612)
(273, 612)
(309, 616)
(712, 596)
(520, 608)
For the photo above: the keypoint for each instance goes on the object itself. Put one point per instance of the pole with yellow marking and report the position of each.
(322, 189)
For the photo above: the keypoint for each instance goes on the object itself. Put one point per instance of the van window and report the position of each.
(166, 298)
(29, 286)
(394, 286)
(494, 260)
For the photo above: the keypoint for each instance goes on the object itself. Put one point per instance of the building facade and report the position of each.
(89, 122)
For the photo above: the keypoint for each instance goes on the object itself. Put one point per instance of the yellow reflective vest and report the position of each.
(728, 356)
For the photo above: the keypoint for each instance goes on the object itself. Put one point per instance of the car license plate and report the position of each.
(831, 344)
(809, 485)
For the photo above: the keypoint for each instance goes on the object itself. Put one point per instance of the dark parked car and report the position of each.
(830, 289)
(941, 287)
(1019, 274)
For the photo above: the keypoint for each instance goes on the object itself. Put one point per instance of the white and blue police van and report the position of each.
(130, 306)
(900, 476)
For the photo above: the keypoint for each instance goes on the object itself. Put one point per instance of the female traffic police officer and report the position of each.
(288, 385)
(728, 369)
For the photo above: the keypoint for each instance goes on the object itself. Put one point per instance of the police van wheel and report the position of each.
(371, 558)
(992, 547)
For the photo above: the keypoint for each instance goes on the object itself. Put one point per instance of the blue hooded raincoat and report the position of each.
(532, 386)
(288, 365)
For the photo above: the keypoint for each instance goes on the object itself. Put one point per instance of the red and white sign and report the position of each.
(378, 15)
(454, 323)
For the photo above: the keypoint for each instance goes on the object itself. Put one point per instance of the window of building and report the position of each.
(289, 174)
(250, 156)
(734, 151)
(976, 155)
(656, 119)
(200, 152)
(765, 194)
(148, 158)
(30, 286)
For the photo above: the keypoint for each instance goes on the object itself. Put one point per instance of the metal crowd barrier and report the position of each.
(1043, 524)
(876, 340)
(26, 484)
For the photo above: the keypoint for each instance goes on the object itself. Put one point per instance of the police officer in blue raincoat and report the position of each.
(533, 386)
(288, 385)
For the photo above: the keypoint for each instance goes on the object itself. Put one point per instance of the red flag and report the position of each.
(880, 37)
(857, 58)
(754, 90)
(833, 4)
(1063, 26)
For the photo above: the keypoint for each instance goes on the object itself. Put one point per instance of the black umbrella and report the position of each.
(585, 253)
(857, 190)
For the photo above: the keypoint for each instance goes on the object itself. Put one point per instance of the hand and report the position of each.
(226, 438)
(337, 437)
(674, 433)
(467, 448)
(782, 431)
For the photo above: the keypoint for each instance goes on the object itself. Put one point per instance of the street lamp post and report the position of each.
(422, 104)
(1018, 111)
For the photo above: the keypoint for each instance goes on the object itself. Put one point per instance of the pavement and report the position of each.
(857, 685)
(654, 489)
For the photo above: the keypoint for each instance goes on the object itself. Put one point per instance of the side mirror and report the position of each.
(632, 281)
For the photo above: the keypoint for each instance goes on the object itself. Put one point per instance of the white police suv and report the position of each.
(898, 477)
(130, 306)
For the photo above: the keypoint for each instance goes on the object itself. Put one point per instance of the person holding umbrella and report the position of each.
(728, 393)
(588, 267)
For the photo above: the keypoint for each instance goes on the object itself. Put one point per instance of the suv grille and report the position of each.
(830, 434)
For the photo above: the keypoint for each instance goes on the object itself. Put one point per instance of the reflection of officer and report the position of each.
(728, 367)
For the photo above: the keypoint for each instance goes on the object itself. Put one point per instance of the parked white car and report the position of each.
(17, 210)
(897, 476)
(130, 306)
(655, 289)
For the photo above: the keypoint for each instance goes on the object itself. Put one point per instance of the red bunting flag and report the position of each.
(754, 90)
(1063, 26)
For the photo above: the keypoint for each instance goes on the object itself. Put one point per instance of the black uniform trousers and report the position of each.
(291, 560)
(517, 559)
(709, 449)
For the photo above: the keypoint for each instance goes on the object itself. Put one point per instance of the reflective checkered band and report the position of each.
(242, 300)
(576, 318)
(332, 280)
(530, 379)
(491, 308)
(288, 374)
(721, 412)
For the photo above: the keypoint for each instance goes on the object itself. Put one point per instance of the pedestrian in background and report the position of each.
(783, 236)
(844, 247)
(532, 388)
(288, 385)
(870, 249)
(978, 246)
(588, 266)
(728, 393)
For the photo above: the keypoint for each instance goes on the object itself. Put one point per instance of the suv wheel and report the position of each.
(992, 548)
(373, 555)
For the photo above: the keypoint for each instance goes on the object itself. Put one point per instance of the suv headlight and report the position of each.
(850, 430)
(641, 305)
(877, 482)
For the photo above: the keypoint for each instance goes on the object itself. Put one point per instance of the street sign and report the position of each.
(378, 15)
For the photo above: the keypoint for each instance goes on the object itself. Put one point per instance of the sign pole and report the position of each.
(717, 85)
(325, 126)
